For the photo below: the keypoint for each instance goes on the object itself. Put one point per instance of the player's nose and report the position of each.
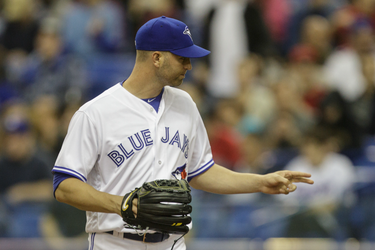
(187, 64)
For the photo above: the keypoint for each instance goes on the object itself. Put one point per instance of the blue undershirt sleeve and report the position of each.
(58, 178)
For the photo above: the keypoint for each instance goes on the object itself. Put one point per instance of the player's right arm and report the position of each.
(81, 195)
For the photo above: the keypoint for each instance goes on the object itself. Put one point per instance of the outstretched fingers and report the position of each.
(296, 176)
(287, 179)
(303, 180)
(282, 182)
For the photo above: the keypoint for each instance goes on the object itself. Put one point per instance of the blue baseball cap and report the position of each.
(168, 34)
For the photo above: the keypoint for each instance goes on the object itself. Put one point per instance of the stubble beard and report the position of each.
(165, 77)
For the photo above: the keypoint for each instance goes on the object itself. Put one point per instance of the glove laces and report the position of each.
(175, 241)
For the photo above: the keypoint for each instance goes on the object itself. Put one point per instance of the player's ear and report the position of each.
(157, 58)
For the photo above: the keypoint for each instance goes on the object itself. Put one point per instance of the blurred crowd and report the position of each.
(290, 84)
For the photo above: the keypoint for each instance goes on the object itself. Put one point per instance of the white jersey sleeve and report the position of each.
(201, 156)
(79, 152)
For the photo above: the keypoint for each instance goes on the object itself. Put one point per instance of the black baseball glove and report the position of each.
(162, 206)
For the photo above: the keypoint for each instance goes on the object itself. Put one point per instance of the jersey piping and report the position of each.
(70, 172)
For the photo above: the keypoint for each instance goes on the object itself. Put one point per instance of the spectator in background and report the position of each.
(351, 72)
(364, 108)
(276, 15)
(140, 11)
(225, 140)
(255, 95)
(334, 114)
(343, 19)
(17, 38)
(63, 221)
(44, 116)
(21, 26)
(25, 179)
(335, 175)
(60, 220)
(230, 31)
(7, 90)
(295, 30)
(303, 65)
(199, 78)
(283, 132)
(49, 71)
(343, 68)
(293, 116)
(316, 33)
(93, 26)
(302, 5)
(256, 156)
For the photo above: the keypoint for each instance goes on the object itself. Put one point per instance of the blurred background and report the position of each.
(290, 84)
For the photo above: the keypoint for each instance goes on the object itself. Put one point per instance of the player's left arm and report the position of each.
(221, 180)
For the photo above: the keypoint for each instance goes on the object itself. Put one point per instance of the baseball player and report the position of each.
(140, 130)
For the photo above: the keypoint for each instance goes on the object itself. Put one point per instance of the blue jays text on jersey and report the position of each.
(143, 139)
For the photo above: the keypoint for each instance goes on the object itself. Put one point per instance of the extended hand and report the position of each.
(281, 182)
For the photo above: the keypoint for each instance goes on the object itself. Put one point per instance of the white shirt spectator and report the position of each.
(333, 178)
(343, 72)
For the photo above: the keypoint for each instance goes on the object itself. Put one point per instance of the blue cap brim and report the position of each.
(192, 51)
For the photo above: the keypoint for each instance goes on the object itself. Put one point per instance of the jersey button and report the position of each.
(151, 109)
(160, 162)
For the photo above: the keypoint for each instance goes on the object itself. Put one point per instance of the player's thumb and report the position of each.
(292, 187)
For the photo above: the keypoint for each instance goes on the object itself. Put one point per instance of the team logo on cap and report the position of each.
(187, 32)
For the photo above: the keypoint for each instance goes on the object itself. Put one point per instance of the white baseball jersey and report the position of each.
(116, 142)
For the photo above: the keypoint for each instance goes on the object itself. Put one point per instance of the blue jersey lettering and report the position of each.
(116, 157)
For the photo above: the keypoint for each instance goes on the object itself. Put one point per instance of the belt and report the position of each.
(149, 238)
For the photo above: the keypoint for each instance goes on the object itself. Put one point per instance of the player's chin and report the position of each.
(177, 83)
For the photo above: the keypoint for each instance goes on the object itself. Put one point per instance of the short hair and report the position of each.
(142, 55)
